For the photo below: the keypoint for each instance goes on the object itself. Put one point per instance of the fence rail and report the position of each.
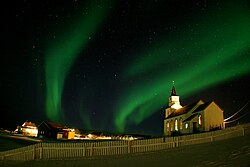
(78, 150)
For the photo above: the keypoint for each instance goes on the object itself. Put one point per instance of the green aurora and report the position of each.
(63, 51)
(216, 53)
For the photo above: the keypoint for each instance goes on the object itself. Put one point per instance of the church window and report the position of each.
(200, 120)
(181, 124)
(186, 125)
(167, 126)
(171, 125)
(176, 125)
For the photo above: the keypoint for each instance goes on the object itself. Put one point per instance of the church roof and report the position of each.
(202, 107)
(190, 117)
(183, 110)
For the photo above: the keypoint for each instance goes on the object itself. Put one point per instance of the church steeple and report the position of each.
(173, 93)
(174, 101)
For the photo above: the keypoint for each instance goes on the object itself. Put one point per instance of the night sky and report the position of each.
(109, 65)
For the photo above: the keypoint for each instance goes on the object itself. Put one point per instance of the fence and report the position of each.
(88, 149)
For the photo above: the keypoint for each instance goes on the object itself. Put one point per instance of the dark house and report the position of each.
(49, 129)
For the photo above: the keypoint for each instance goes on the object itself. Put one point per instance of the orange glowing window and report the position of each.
(176, 125)
(181, 124)
(200, 120)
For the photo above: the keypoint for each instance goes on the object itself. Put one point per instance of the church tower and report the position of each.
(173, 103)
(174, 99)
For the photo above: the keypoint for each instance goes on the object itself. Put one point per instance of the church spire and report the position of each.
(173, 93)
(174, 101)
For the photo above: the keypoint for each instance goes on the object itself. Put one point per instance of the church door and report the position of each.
(194, 127)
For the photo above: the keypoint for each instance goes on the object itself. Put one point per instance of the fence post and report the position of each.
(243, 131)
(41, 151)
(129, 147)
(177, 141)
(34, 152)
(91, 149)
(211, 138)
(84, 151)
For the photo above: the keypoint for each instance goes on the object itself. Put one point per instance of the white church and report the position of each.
(195, 117)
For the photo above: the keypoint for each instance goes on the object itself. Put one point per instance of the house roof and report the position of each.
(52, 125)
(55, 125)
(26, 124)
(183, 110)
(202, 107)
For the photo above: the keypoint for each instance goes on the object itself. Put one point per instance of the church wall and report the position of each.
(213, 117)
(167, 131)
(172, 120)
(187, 130)
(168, 112)
(200, 127)
(203, 121)
(165, 127)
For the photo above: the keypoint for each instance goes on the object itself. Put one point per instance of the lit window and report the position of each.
(186, 125)
(171, 125)
(167, 126)
(181, 124)
(176, 125)
(200, 119)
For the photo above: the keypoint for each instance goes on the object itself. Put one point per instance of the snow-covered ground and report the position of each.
(231, 152)
(10, 141)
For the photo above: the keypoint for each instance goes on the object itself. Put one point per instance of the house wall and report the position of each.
(68, 135)
(45, 131)
(30, 131)
(213, 117)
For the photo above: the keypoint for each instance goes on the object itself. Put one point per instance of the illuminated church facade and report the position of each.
(199, 116)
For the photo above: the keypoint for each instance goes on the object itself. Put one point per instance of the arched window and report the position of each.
(200, 119)
(176, 124)
(167, 126)
(181, 124)
(171, 125)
